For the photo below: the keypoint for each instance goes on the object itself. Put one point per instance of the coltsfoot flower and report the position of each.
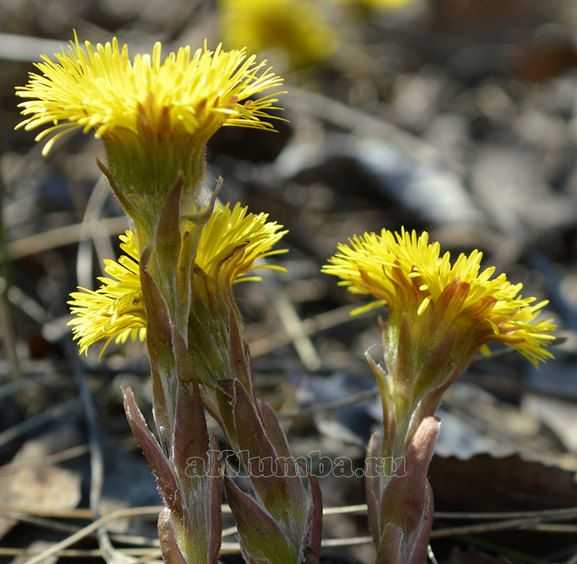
(440, 313)
(297, 28)
(154, 113)
(115, 311)
(99, 88)
(229, 245)
(439, 297)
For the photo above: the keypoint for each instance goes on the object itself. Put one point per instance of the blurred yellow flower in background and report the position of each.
(229, 245)
(297, 28)
(440, 301)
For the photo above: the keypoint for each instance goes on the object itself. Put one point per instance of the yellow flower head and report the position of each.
(154, 113)
(294, 27)
(229, 245)
(114, 312)
(447, 306)
(99, 88)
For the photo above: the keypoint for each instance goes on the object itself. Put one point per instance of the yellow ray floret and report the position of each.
(296, 27)
(232, 241)
(115, 311)
(410, 275)
(100, 88)
(229, 246)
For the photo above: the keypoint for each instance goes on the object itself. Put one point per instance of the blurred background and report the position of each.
(455, 116)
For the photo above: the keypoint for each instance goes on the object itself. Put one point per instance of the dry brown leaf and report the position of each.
(37, 485)
(511, 483)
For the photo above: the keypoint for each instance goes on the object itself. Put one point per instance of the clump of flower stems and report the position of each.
(173, 288)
